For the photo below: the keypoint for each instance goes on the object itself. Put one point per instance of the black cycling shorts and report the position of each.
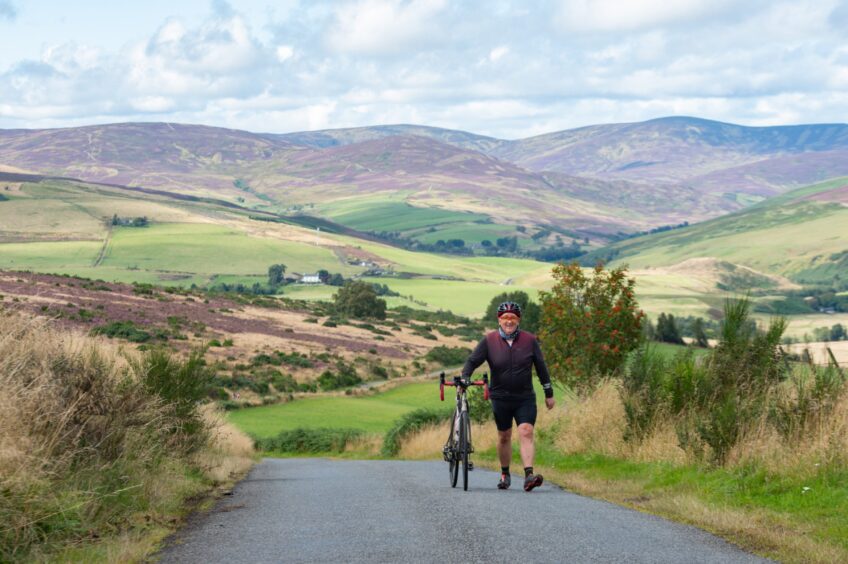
(521, 410)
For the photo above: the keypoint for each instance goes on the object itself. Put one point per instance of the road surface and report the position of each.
(318, 510)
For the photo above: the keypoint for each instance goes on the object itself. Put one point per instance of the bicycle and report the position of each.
(458, 447)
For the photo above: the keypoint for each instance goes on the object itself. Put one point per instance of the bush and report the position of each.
(358, 299)
(589, 325)
(716, 400)
(344, 377)
(182, 385)
(410, 423)
(479, 409)
(447, 356)
(310, 440)
(123, 330)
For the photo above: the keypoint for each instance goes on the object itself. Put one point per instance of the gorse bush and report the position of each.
(182, 385)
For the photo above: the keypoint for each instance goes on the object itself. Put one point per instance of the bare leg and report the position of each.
(528, 447)
(505, 447)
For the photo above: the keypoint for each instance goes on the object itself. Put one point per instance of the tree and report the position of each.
(589, 324)
(837, 332)
(276, 274)
(358, 299)
(530, 311)
(323, 275)
(699, 334)
(667, 330)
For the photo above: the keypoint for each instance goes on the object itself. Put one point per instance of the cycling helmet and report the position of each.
(509, 307)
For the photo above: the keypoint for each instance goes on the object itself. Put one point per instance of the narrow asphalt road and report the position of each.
(317, 510)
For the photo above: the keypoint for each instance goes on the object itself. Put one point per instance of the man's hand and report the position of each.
(549, 402)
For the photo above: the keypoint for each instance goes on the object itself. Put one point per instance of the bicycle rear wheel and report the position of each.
(464, 447)
(453, 456)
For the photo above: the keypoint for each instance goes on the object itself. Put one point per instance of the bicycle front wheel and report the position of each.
(453, 457)
(464, 447)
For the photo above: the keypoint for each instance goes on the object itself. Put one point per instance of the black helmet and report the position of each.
(509, 307)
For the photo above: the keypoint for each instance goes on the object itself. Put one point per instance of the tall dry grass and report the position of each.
(84, 447)
(427, 443)
(596, 424)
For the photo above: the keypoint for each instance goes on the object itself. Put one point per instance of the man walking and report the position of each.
(511, 354)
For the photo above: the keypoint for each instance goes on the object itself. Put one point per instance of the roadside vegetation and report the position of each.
(101, 449)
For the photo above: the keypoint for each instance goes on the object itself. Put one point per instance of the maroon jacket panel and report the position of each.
(510, 368)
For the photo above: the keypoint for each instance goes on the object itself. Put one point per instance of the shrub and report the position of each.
(310, 440)
(589, 324)
(358, 299)
(715, 401)
(447, 356)
(344, 377)
(123, 330)
(182, 385)
(479, 409)
(410, 423)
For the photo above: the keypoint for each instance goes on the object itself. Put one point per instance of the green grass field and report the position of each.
(778, 236)
(373, 414)
(211, 249)
(462, 298)
(390, 214)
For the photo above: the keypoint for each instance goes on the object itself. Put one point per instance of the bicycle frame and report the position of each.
(458, 447)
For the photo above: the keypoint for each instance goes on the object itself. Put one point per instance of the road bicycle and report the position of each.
(458, 447)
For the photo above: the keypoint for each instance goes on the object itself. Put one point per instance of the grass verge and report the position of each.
(99, 459)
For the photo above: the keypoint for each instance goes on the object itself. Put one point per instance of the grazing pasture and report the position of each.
(372, 414)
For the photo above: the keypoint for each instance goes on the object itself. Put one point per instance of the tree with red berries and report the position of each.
(590, 322)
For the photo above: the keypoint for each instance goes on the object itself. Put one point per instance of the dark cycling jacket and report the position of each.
(510, 367)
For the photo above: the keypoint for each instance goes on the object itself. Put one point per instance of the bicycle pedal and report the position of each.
(470, 466)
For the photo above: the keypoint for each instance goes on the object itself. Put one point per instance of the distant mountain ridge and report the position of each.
(597, 180)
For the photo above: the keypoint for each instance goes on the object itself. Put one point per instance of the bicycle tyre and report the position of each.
(453, 464)
(464, 440)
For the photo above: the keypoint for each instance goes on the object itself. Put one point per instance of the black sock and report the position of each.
(528, 470)
(504, 469)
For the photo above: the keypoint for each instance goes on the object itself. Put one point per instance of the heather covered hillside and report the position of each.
(591, 182)
(712, 157)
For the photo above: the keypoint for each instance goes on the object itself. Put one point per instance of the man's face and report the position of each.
(508, 322)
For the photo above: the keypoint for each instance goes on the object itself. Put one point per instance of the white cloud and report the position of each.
(493, 69)
(284, 53)
(152, 104)
(377, 27)
(617, 15)
(497, 53)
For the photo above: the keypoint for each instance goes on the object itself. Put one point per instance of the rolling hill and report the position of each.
(593, 182)
(727, 167)
(800, 235)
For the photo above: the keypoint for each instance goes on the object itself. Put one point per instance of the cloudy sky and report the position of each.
(504, 68)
